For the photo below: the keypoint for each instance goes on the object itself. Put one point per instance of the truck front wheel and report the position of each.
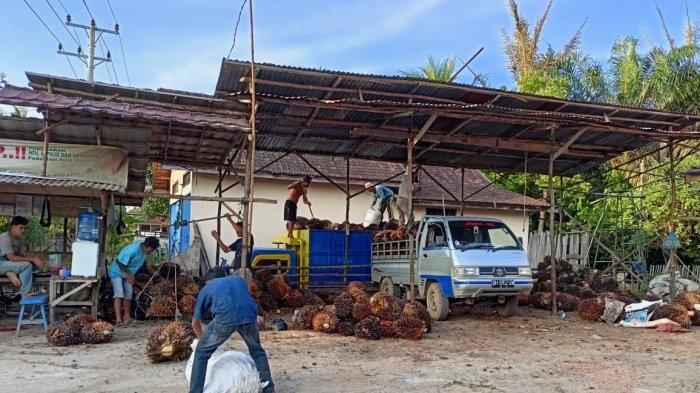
(387, 287)
(437, 302)
(508, 308)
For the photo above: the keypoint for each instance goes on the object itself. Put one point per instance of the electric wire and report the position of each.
(121, 43)
(235, 30)
(52, 34)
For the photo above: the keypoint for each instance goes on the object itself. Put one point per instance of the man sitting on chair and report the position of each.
(16, 266)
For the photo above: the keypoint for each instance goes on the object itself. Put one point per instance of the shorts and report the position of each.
(290, 211)
(122, 288)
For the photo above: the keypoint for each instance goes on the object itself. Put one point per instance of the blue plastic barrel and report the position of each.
(88, 226)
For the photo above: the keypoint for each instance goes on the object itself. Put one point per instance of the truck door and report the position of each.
(435, 262)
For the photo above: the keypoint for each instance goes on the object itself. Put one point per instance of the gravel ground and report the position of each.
(472, 352)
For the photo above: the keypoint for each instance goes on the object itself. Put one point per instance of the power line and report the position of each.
(62, 24)
(68, 14)
(235, 30)
(121, 44)
(102, 50)
(109, 51)
(88, 10)
(52, 34)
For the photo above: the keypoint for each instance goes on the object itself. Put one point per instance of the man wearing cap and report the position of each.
(121, 273)
(16, 266)
(382, 194)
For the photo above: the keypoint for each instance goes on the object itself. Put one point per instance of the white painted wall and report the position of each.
(327, 202)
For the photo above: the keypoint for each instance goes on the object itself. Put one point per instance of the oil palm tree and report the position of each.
(434, 69)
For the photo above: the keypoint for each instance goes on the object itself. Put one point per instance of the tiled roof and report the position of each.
(365, 170)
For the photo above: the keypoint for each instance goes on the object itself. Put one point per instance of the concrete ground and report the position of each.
(472, 352)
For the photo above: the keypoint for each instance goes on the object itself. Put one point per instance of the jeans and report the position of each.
(217, 334)
(23, 270)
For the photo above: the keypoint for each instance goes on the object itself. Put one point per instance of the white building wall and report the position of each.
(327, 201)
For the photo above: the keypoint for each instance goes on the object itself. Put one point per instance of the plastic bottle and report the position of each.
(88, 227)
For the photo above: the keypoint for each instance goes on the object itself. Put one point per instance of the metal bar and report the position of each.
(346, 255)
(439, 185)
(552, 234)
(259, 169)
(218, 218)
(461, 199)
(672, 219)
(328, 179)
(409, 219)
(376, 183)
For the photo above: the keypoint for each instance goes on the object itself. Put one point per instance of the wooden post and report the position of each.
(410, 217)
(672, 220)
(250, 157)
(347, 220)
(65, 234)
(552, 234)
(218, 218)
(461, 196)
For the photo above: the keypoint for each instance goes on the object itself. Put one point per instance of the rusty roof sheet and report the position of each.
(8, 178)
(13, 95)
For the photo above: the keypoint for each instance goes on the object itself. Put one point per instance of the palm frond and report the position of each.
(671, 41)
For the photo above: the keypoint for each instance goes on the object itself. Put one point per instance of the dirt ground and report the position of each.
(472, 352)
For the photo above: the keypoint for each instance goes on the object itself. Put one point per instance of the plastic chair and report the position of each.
(36, 305)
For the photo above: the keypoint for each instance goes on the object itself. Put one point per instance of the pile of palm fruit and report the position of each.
(315, 223)
(171, 289)
(386, 231)
(684, 309)
(170, 342)
(355, 313)
(80, 329)
(584, 291)
(275, 293)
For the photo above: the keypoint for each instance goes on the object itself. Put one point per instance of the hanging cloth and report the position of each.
(45, 220)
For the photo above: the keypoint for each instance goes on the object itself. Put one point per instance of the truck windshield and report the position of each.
(476, 234)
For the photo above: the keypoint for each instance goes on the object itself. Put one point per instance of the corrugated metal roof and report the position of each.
(53, 182)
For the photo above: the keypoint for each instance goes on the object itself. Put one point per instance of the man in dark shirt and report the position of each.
(227, 299)
(236, 246)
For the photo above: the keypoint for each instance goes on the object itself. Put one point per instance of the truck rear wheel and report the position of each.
(437, 302)
(387, 287)
(508, 308)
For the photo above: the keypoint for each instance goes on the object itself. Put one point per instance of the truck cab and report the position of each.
(457, 258)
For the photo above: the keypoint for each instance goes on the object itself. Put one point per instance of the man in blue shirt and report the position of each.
(384, 195)
(121, 273)
(227, 299)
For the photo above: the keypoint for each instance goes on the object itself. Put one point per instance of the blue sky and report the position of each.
(180, 43)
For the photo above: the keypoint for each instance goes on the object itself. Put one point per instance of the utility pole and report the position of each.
(94, 34)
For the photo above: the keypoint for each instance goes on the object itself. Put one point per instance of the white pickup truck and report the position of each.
(456, 258)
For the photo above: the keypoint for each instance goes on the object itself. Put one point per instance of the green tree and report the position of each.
(434, 69)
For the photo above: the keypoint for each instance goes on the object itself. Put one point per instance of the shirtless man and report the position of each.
(296, 190)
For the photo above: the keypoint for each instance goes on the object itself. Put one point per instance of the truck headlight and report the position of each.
(524, 271)
(465, 271)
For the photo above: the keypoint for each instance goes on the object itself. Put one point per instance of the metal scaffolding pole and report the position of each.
(347, 220)
(250, 157)
(461, 196)
(672, 220)
(552, 234)
(218, 218)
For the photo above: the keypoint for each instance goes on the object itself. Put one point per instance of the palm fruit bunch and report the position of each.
(327, 224)
(162, 306)
(674, 311)
(409, 328)
(368, 329)
(385, 307)
(304, 317)
(689, 299)
(343, 305)
(361, 310)
(187, 286)
(541, 300)
(387, 329)
(400, 234)
(567, 302)
(263, 276)
(357, 291)
(267, 302)
(604, 283)
(97, 332)
(169, 270)
(311, 299)
(314, 223)
(579, 291)
(81, 320)
(325, 321)
(63, 334)
(523, 299)
(161, 288)
(418, 310)
(256, 290)
(170, 342)
(187, 305)
(591, 309)
(279, 287)
(391, 225)
(346, 328)
(294, 299)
